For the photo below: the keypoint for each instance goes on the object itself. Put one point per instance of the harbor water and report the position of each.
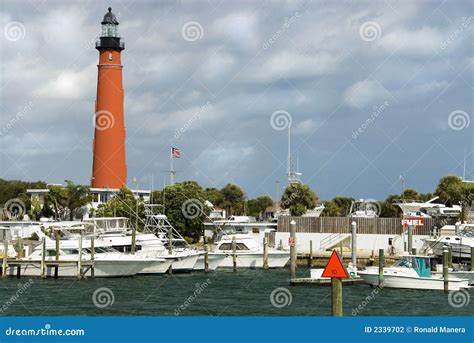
(220, 293)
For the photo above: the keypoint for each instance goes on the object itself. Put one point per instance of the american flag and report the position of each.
(175, 153)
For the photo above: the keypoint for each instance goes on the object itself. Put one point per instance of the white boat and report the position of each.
(315, 212)
(185, 257)
(363, 209)
(412, 272)
(107, 261)
(428, 209)
(117, 232)
(249, 253)
(461, 242)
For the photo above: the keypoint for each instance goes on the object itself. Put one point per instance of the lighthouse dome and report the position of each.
(110, 18)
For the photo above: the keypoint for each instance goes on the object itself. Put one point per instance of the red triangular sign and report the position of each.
(334, 268)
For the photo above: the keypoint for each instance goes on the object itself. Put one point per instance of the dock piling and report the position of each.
(354, 244)
(310, 258)
(265, 251)
(43, 258)
(5, 257)
(472, 259)
(381, 265)
(445, 270)
(292, 249)
(410, 239)
(79, 259)
(19, 255)
(92, 254)
(56, 267)
(336, 297)
(206, 258)
(450, 256)
(234, 255)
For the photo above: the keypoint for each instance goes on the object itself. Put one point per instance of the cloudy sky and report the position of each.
(372, 89)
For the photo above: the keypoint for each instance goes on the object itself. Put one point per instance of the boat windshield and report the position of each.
(420, 264)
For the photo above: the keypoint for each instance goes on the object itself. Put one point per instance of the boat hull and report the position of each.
(104, 268)
(255, 260)
(214, 261)
(400, 281)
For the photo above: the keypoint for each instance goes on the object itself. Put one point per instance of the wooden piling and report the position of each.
(413, 251)
(19, 255)
(79, 259)
(265, 251)
(450, 256)
(234, 255)
(310, 257)
(472, 259)
(93, 255)
(56, 267)
(170, 241)
(5, 257)
(445, 271)
(43, 258)
(336, 297)
(381, 265)
(206, 258)
(292, 249)
(133, 248)
(410, 239)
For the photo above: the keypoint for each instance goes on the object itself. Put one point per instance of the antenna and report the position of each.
(464, 167)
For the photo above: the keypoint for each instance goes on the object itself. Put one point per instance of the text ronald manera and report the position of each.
(438, 329)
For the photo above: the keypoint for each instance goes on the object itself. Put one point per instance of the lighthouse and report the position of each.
(109, 168)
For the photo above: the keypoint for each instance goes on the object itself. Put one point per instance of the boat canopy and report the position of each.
(421, 264)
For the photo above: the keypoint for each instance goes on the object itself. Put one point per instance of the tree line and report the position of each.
(182, 201)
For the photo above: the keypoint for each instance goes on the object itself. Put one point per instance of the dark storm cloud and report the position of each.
(369, 87)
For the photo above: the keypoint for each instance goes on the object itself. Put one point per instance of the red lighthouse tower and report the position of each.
(109, 169)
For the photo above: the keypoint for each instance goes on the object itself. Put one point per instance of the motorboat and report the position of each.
(154, 243)
(461, 242)
(315, 212)
(248, 252)
(107, 262)
(412, 272)
(364, 209)
(429, 209)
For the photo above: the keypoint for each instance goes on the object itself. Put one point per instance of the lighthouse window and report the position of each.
(110, 56)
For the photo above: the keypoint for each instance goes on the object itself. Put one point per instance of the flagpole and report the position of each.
(172, 168)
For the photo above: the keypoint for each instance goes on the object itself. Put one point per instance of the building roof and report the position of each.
(110, 18)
